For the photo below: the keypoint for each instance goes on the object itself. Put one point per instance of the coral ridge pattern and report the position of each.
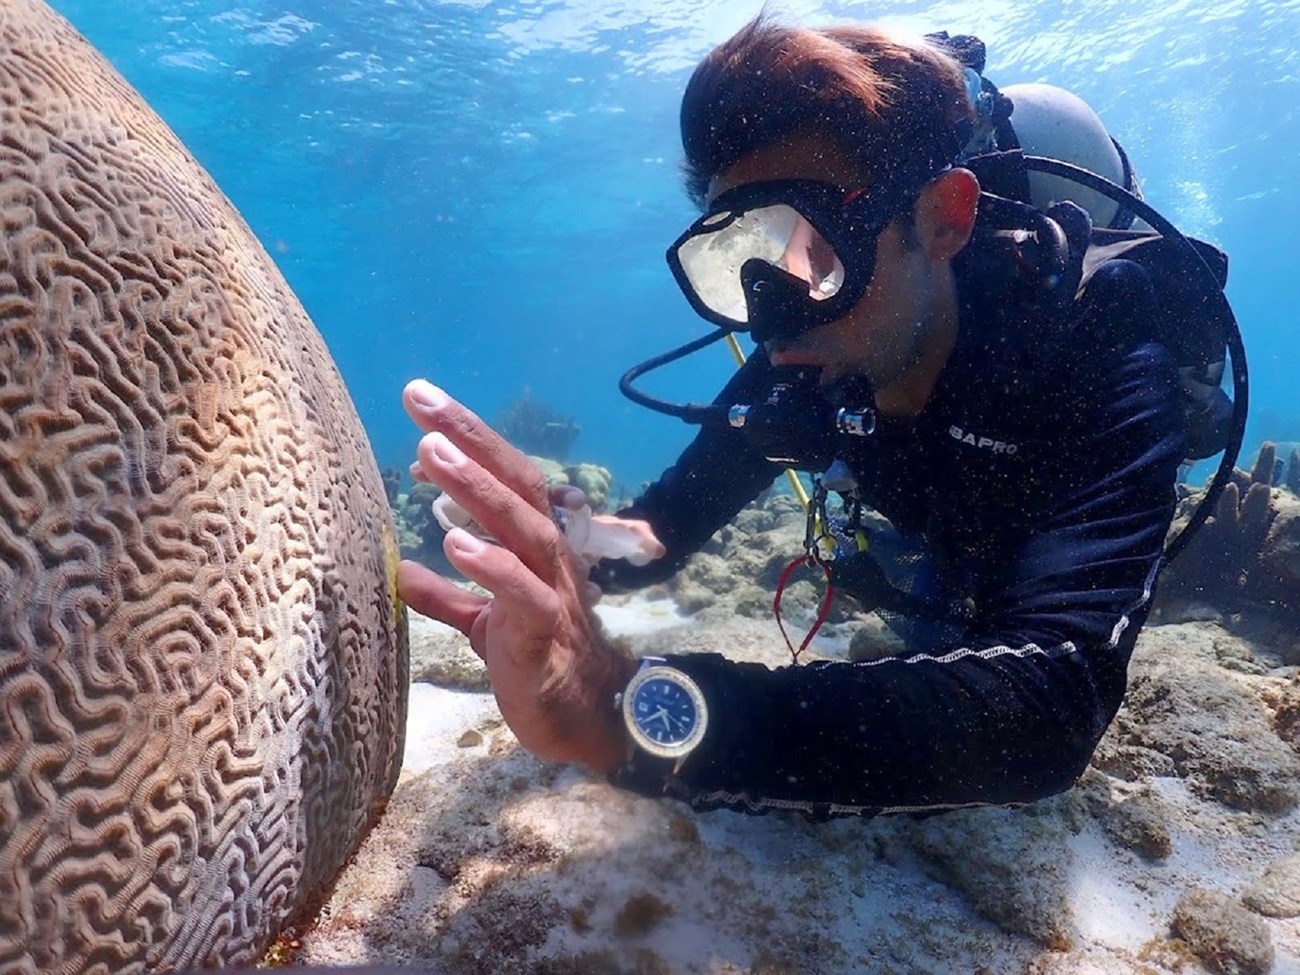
(203, 667)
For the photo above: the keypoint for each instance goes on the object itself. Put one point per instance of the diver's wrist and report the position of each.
(609, 743)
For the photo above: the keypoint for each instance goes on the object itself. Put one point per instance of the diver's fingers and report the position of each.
(530, 609)
(500, 511)
(435, 412)
(567, 496)
(431, 595)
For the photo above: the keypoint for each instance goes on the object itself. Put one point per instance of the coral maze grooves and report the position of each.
(202, 665)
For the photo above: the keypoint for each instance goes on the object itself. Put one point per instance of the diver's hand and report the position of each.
(593, 537)
(553, 674)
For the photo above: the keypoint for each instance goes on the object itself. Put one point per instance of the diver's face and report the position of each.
(885, 332)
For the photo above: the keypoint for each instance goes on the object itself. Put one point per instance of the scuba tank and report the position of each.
(1049, 121)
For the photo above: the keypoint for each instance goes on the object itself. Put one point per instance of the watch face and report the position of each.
(664, 711)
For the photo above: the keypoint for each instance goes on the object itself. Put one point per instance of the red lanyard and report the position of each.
(821, 615)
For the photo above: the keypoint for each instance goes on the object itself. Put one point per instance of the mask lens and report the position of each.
(777, 234)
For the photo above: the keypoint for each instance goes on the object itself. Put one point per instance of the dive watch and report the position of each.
(664, 712)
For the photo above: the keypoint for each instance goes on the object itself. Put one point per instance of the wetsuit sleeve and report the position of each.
(716, 476)
(1014, 712)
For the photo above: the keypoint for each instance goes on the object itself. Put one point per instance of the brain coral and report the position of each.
(202, 660)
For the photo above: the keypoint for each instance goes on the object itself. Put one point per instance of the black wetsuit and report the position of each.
(1042, 472)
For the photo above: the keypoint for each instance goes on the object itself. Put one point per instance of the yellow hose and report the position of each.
(790, 475)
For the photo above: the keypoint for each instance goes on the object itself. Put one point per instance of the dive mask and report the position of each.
(779, 257)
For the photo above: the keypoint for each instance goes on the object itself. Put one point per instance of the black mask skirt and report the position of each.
(779, 257)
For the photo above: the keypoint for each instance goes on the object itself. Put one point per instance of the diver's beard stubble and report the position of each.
(884, 360)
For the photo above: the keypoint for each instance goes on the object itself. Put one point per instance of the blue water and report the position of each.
(481, 193)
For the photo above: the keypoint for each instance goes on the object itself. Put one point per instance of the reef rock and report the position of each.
(1277, 892)
(203, 667)
(1286, 462)
(1017, 877)
(741, 567)
(442, 655)
(1136, 819)
(595, 482)
(419, 536)
(1223, 934)
(1205, 722)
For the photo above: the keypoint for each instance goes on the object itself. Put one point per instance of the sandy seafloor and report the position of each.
(490, 861)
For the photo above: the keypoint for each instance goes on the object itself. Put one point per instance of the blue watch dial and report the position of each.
(664, 711)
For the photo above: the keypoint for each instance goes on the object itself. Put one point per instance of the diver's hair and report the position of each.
(895, 105)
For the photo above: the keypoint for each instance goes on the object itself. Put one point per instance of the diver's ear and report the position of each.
(945, 213)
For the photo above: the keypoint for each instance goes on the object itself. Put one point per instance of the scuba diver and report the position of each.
(951, 331)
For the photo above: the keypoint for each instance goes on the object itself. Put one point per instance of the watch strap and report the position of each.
(645, 774)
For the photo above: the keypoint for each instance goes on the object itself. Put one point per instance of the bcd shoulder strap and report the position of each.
(1192, 323)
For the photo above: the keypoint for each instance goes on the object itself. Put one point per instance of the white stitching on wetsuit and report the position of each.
(953, 655)
(733, 799)
(1148, 587)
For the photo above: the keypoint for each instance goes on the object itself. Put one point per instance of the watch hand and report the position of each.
(683, 726)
